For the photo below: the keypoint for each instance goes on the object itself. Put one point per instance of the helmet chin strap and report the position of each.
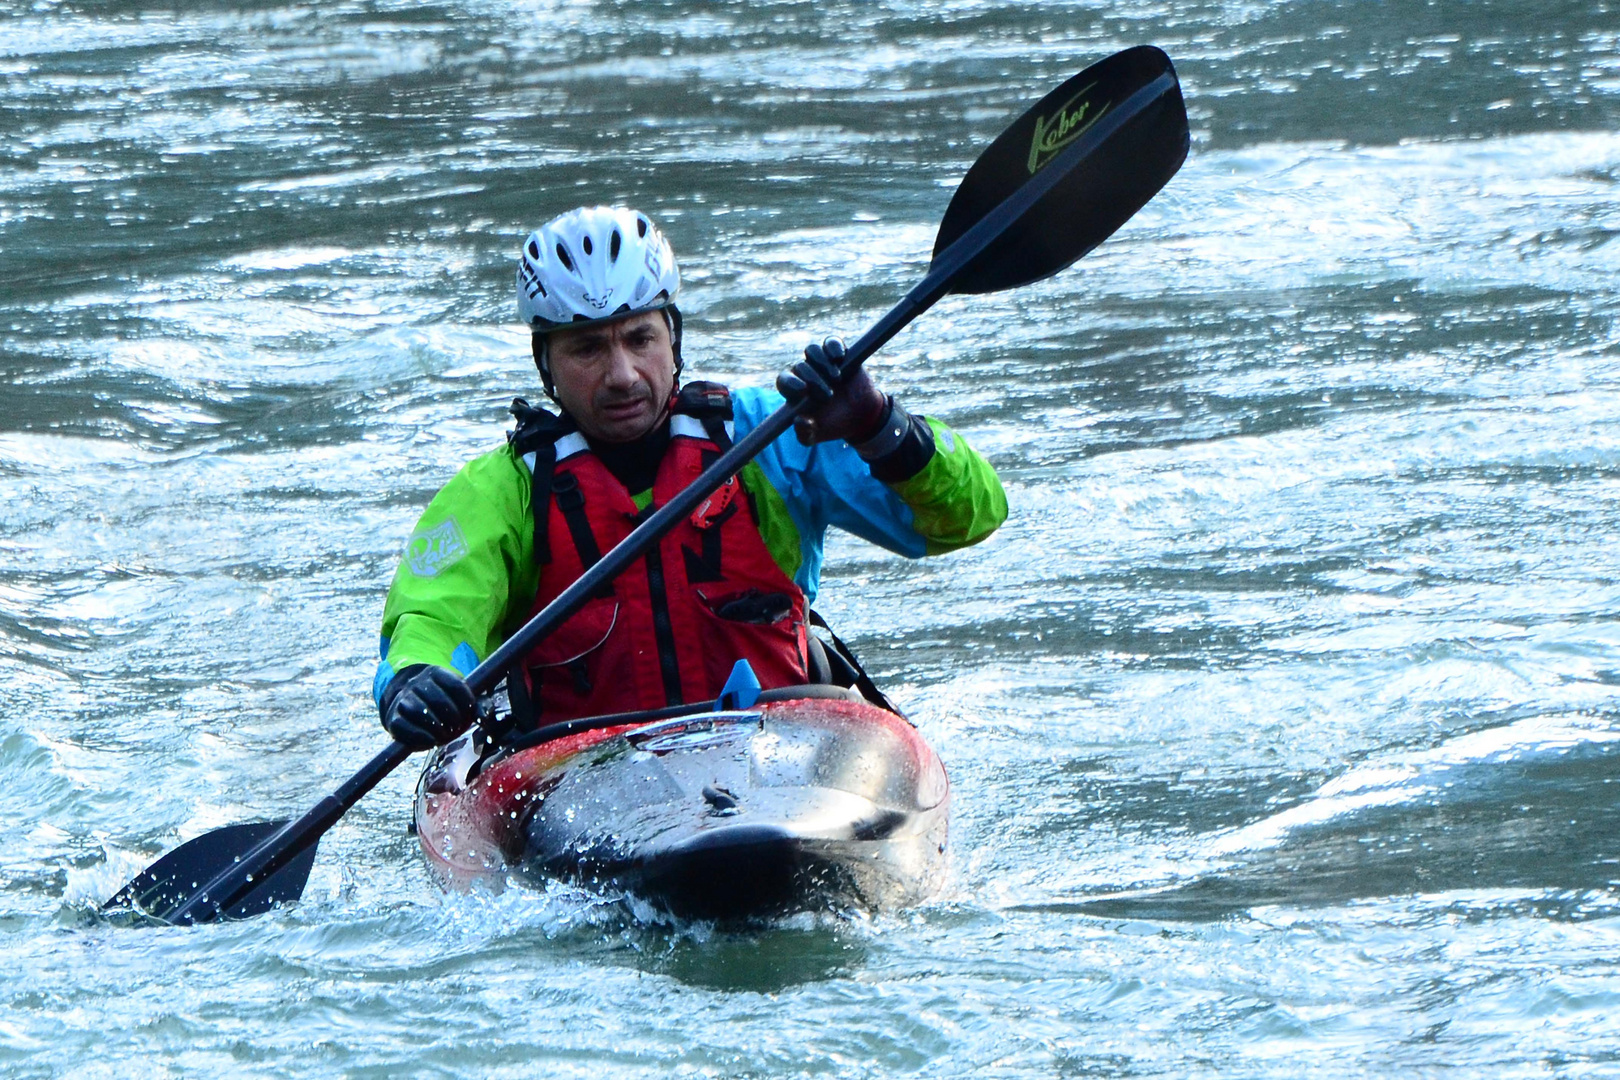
(537, 345)
(542, 363)
(672, 319)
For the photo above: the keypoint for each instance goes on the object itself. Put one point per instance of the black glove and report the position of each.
(425, 707)
(839, 409)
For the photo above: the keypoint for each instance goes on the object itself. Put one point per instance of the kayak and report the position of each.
(811, 798)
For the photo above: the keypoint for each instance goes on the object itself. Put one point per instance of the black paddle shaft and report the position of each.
(1051, 200)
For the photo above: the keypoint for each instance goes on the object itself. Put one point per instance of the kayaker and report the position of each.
(597, 286)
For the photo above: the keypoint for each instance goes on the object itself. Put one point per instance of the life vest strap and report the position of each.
(571, 501)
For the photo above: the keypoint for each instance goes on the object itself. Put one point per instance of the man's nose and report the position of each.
(621, 369)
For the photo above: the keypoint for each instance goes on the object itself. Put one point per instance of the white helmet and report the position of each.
(593, 264)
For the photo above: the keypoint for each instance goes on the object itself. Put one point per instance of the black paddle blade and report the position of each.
(1119, 128)
(162, 888)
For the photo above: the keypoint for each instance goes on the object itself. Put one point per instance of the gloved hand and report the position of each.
(852, 410)
(427, 706)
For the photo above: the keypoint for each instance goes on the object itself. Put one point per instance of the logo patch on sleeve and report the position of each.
(431, 550)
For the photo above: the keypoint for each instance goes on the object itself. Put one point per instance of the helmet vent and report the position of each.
(534, 250)
(641, 226)
(613, 247)
(585, 242)
(562, 253)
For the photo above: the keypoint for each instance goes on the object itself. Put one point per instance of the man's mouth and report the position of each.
(625, 407)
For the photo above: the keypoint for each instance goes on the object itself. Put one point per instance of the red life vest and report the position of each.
(670, 628)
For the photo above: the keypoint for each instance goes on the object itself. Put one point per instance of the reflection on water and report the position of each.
(765, 961)
(1280, 716)
(1529, 809)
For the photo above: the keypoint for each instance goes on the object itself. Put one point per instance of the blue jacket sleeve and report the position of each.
(828, 484)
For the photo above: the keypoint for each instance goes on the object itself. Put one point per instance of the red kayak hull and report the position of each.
(796, 805)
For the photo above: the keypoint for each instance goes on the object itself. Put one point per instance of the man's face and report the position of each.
(614, 378)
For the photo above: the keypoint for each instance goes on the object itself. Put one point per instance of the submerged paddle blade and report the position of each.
(245, 870)
(1118, 132)
(162, 888)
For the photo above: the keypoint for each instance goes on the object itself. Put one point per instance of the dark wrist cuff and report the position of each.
(886, 440)
(900, 449)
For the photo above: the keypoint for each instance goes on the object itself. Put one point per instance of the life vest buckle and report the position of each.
(565, 489)
(713, 509)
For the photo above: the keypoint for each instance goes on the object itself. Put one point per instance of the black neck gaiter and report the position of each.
(634, 464)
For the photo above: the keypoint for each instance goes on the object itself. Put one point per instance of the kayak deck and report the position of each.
(795, 805)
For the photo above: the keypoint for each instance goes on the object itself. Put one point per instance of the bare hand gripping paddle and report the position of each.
(1051, 187)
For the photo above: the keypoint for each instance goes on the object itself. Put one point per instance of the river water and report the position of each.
(1283, 716)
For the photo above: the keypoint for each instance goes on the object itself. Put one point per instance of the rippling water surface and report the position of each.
(1283, 716)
